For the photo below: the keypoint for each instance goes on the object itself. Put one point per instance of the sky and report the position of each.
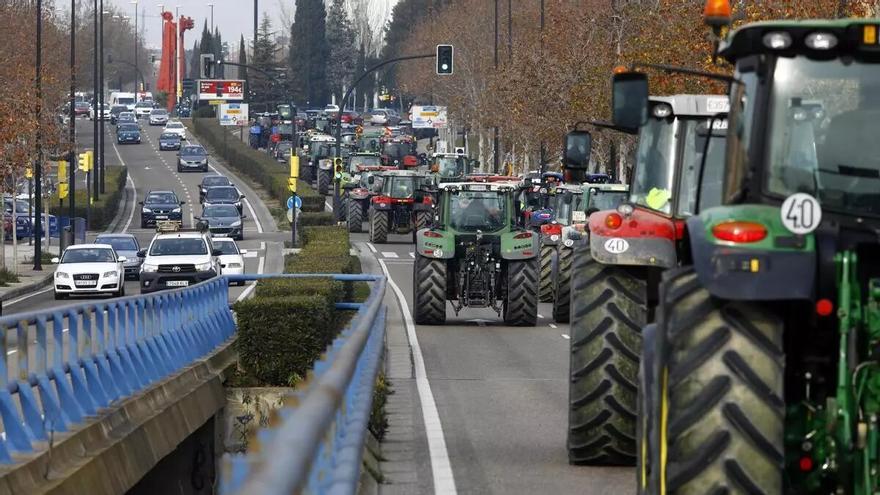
(232, 17)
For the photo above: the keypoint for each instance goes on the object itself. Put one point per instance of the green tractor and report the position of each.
(615, 271)
(572, 208)
(477, 255)
(761, 373)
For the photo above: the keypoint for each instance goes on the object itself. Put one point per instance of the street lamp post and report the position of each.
(135, 3)
(211, 5)
(101, 77)
(99, 110)
(72, 162)
(177, 64)
(38, 166)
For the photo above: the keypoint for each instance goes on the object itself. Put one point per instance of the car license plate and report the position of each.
(86, 283)
(161, 217)
(177, 283)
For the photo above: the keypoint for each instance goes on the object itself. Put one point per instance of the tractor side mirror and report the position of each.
(578, 145)
(419, 197)
(435, 168)
(629, 99)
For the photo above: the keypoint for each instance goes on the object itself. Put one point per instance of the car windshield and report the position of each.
(217, 180)
(128, 128)
(193, 150)
(88, 255)
(450, 166)
(21, 207)
(225, 247)
(216, 193)
(217, 211)
(125, 101)
(822, 139)
(169, 137)
(471, 211)
(119, 243)
(652, 184)
(159, 111)
(161, 198)
(144, 104)
(174, 125)
(117, 109)
(695, 132)
(178, 246)
(127, 117)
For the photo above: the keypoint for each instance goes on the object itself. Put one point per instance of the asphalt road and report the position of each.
(500, 396)
(150, 169)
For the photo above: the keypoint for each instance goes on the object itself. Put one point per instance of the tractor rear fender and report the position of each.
(779, 266)
(435, 243)
(643, 238)
(358, 193)
(380, 203)
(520, 245)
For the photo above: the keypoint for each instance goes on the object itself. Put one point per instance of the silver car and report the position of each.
(158, 116)
(125, 245)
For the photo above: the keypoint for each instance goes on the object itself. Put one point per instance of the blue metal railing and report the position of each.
(317, 447)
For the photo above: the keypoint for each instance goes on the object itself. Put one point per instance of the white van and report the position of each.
(125, 99)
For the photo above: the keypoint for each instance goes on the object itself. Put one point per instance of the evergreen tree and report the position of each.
(265, 52)
(192, 71)
(343, 55)
(242, 60)
(218, 47)
(308, 53)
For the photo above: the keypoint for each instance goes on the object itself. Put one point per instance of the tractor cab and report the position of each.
(398, 208)
(399, 152)
(450, 166)
(536, 203)
(369, 142)
(362, 159)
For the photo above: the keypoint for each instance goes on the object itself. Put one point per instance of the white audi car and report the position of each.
(231, 258)
(175, 127)
(89, 269)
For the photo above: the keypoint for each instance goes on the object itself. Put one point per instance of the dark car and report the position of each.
(192, 157)
(128, 133)
(169, 141)
(115, 110)
(212, 181)
(160, 205)
(283, 151)
(223, 195)
(223, 220)
(125, 245)
(126, 117)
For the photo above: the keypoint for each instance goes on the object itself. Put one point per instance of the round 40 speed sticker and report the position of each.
(801, 213)
(616, 245)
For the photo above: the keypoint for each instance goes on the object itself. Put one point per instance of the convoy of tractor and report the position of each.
(723, 303)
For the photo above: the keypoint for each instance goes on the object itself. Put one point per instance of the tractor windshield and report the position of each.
(400, 187)
(450, 166)
(653, 181)
(605, 200)
(822, 135)
(396, 151)
(564, 205)
(695, 132)
(471, 211)
(364, 160)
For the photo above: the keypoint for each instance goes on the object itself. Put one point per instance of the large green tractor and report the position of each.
(476, 255)
(761, 373)
(616, 271)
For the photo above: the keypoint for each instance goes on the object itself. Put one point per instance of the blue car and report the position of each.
(169, 141)
(160, 205)
(128, 133)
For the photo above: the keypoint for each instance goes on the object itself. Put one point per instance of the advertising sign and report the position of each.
(233, 113)
(221, 89)
(428, 117)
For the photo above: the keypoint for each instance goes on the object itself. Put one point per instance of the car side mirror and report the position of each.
(122, 259)
(142, 253)
(243, 251)
(241, 196)
(243, 217)
(629, 100)
(216, 252)
(182, 203)
(141, 203)
(197, 218)
(55, 260)
(578, 145)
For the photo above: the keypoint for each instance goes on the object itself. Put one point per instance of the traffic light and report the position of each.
(337, 167)
(207, 65)
(83, 162)
(444, 60)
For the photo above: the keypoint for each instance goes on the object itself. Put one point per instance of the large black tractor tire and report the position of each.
(422, 220)
(378, 226)
(562, 284)
(355, 216)
(323, 182)
(343, 207)
(608, 310)
(726, 408)
(429, 291)
(520, 306)
(545, 288)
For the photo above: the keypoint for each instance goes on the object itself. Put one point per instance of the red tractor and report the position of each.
(356, 194)
(395, 209)
(400, 152)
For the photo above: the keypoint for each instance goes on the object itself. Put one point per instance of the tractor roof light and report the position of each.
(777, 40)
(613, 221)
(620, 69)
(716, 13)
(739, 232)
(662, 110)
(625, 209)
(820, 41)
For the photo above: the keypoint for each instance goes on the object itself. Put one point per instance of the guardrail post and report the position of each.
(69, 405)
(77, 378)
(93, 381)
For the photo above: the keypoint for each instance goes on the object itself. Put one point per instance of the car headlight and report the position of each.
(61, 275)
(148, 267)
(233, 265)
(176, 210)
(203, 267)
(112, 274)
(146, 210)
(236, 223)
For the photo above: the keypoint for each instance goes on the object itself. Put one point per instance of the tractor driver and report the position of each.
(474, 211)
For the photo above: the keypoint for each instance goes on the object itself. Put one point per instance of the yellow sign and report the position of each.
(28, 173)
(294, 166)
(291, 184)
(62, 190)
(62, 172)
(216, 102)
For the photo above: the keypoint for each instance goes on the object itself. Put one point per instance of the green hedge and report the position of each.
(102, 211)
(286, 326)
(257, 165)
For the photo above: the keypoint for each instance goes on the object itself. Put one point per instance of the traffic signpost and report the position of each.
(294, 203)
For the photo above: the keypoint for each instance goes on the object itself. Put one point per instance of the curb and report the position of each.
(28, 288)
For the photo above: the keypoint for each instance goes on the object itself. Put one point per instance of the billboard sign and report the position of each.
(233, 113)
(428, 117)
(221, 89)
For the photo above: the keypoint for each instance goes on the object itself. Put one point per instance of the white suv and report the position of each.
(178, 259)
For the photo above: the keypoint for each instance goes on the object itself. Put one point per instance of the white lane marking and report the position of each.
(245, 293)
(540, 316)
(26, 296)
(250, 254)
(372, 247)
(441, 468)
(133, 187)
(553, 326)
(412, 255)
(389, 254)
(254, 216)
(565, 336)
(327, 205)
